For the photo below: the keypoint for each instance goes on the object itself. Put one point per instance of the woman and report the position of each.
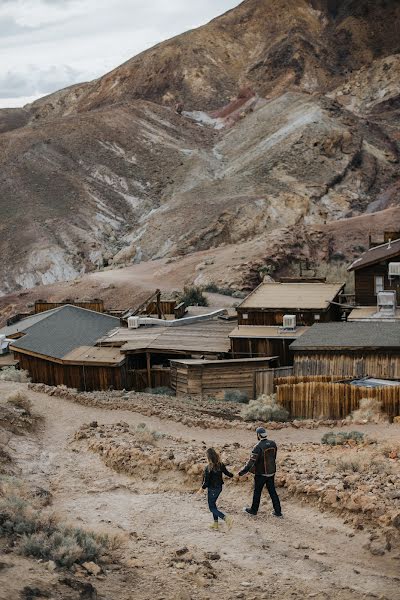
(213, 482)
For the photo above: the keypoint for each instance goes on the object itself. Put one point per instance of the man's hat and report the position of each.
(261, 432)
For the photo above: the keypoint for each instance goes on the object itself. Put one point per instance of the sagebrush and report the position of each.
(265, 408)
(236, 396)
(370, 410)
(13, 374)
(160, 391)
(338, 439)
(193, 296)
(20, 400)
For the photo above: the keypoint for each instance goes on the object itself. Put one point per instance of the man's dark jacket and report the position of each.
(262, 460)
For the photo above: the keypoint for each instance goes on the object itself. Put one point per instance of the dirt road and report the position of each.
(308, 554)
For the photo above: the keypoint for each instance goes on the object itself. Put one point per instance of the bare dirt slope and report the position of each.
(308, 554)
(283, 130)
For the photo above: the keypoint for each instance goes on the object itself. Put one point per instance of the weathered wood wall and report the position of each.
(96, 305)
(364, 282)
(159, 378)
(81, 377)
(259, 316)
(316, 400)
(265, 380)
(257, 348)
(167, 307)
(346, 365)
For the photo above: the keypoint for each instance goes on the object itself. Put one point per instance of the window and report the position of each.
(379, 284)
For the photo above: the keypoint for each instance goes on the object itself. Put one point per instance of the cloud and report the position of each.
(46, 45)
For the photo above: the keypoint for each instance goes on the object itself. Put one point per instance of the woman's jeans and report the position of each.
(213, 494)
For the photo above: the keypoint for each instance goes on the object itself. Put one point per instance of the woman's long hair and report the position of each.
(214, 459)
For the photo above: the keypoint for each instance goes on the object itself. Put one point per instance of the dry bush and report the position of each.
(20, 400)
(13, 374)
(40, 534)
(370, 409)
(265, 408)
(236, 396)
(144, 435)
(365, 465)
(338, 439)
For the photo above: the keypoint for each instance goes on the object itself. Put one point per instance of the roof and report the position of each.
(208, 337)
(68, 328)
(376, 255)
(232, 361)
(370, 313)
(265, 332)
(354, 335)
(98, 355)
(293, 296)
(24, 324)
(374, 383)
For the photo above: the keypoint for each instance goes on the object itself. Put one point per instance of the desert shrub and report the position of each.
(13, 374)
(193, 296)
(145, 435)
(40, 534)
(20, 400)
(236, 396)
(338, 439)
(265, 408)
(213, 288)
(348, 464)
(160, 391)
(370, 409)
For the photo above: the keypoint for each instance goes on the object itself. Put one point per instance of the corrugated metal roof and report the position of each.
(375, 383)
(66, 329)
(266, 332)
(293, 296)
(368, 313)
(376, 255)
(349, 336)
(24, 324)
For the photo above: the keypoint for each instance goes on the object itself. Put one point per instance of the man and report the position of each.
(263, 464)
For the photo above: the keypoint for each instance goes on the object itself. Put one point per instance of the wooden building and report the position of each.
(215, 377)
(256, 342)
(58, 349)
(309, 302)
(371, 273)
(349, 350)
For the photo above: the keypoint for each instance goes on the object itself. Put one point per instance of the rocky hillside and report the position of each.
(290, 127)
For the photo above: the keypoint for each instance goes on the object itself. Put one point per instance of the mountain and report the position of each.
(290, 129)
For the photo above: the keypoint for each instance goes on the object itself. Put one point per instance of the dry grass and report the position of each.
(265, 408)
(13, 374)
(370, 410)
(21, 401)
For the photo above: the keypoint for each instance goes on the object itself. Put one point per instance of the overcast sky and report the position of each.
(46, 45)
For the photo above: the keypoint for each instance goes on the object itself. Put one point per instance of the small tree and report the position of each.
(193, 296)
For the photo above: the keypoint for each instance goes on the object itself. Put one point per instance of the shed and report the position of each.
(349, 350)
(371, 273)
(310, 302)
(258, 341)
(59, 350)
(215, 377)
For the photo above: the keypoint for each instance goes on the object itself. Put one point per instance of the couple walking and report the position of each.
(262, 464)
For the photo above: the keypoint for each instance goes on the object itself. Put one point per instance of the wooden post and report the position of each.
(159, 312)
(148, 362)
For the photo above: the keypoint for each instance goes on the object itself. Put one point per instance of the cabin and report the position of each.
(308, 302)
(349, 350)
(216, 377)
(375, 271)
(58, 349)
(252, 341)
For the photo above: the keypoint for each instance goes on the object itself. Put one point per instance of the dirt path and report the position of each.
(259, 558)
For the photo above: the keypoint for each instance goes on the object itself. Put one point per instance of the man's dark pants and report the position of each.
(269, 482)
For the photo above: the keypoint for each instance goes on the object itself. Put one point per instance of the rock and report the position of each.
(321, 552)
(245, 584)
(182, 551)
(92, 568)
(377, 549)
(51, 565)
(212, 556)
(94, 424)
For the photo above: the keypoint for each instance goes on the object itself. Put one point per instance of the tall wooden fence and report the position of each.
(265, 380)
(318, 399)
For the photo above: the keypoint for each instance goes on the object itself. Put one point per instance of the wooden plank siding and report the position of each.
(318, 399)
(271, 317)
(364, 363)
(167, 307)
(259, 347)
(95, 305)
(364, 282)
(80, 377)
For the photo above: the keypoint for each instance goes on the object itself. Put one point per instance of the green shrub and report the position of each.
(193, 296)
(213, 288)
(236, 396)
(265, 408)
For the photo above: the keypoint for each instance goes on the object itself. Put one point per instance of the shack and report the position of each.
(215, 377)
(257, 341)
(377, 270)
(59, 349)
(349, 350)
(308, 302)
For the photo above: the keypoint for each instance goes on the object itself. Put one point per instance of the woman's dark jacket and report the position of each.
(214, 479)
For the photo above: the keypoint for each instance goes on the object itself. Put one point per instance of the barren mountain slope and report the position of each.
(107, 173)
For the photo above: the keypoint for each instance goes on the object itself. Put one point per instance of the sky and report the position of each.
(46, 45)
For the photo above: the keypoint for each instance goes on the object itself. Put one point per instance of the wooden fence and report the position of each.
(292, 379)
(266, 379)
(95, 305)
(318, 399)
